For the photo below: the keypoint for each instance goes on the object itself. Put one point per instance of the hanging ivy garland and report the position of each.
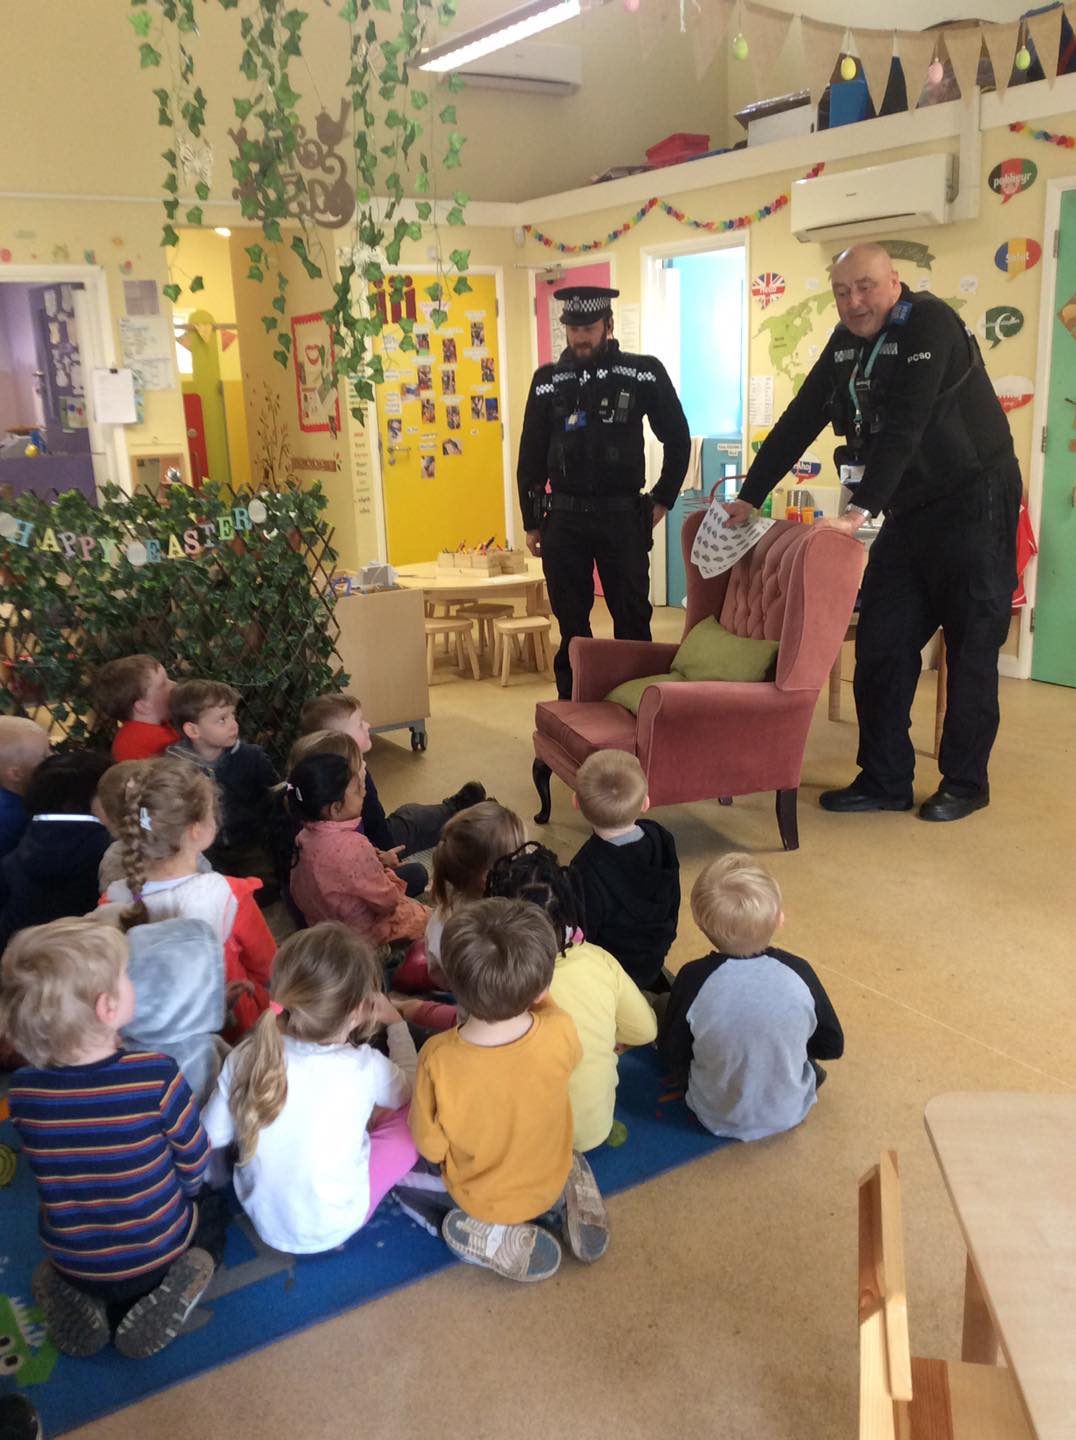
(270, 183)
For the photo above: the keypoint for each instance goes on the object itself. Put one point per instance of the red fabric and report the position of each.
(249, 952)
(1026, 547)
(412, 975)
(138, 740)
(581, 729)
(339, 877)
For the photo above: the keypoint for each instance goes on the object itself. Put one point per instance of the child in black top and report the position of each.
(629, 868)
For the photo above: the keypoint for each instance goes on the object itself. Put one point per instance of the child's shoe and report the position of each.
(18, 1419)
(586, 1221)
(76, 1322)
(154, 1321)
(520, 1252)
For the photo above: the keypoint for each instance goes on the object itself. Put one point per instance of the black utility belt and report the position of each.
(590, 504)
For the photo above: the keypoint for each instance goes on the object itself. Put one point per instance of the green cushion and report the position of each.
(711, 652)
(630, 692)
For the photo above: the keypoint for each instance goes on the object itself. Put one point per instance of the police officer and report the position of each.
(583, 433)
(927, 444)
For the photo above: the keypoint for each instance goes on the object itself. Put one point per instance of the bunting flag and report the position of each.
(875, 50)
(709, 32)
(736, 222)
(1000, 41)
(1045, 32)
(821, 48)
(964, 44)
(765, 32)
(916, 53)
(655, 20)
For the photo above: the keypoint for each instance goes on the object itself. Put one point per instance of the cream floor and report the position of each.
(726, 1306)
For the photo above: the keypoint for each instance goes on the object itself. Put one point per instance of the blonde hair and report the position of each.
(471, 842)
(52, 976)
(499, 956)
(161, 800)
(611, 788)
(119, 684)
(110, 791)
(736, 905)
(327, 742)
(320, 977)
(321, 712)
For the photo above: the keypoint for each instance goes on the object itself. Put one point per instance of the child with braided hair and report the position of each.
(169, 817)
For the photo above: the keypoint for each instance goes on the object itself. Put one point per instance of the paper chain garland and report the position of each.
(1067, 142)
(739, 222)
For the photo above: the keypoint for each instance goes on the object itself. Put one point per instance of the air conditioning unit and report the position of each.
(904, 195)
(541, 69)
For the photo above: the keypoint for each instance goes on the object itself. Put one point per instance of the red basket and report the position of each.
(675, 148)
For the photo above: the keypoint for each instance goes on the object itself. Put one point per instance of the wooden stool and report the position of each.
(485, 612)
(537, 628)
(458, 626)
(942, 691)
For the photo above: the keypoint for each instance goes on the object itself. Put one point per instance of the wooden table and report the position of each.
(1009, 1163)
(449, 585)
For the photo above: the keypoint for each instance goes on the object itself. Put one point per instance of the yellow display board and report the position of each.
(439, 421)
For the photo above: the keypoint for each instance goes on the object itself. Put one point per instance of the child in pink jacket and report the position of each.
(336, 872)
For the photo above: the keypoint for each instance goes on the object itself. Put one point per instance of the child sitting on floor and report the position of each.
(628, 867)
(203, 711)
(336, 873)
(115, 1145)
(52, 871)
(169, 819)
(609, 1010)
(110, 800)
(746, 1025)
(491, 1102)
(134, 691)
(469, 845)
(301, 1096)
(409, 829)
(23, 746)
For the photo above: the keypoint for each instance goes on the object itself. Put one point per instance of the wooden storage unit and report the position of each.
(382, 646)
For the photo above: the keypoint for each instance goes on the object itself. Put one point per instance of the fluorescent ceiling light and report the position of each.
(221, 230)
(516, 25)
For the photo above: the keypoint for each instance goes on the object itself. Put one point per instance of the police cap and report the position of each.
(585, 304)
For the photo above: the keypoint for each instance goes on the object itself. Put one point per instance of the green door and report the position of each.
(1054, 654)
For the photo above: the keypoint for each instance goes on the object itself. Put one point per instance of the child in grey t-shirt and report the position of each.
(746, 1025)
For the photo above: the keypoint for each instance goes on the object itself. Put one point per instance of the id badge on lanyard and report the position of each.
(859, 385)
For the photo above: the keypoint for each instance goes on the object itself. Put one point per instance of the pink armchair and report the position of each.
(710, 740)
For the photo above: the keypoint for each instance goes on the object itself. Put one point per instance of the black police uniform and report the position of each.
(918, 412)
(583, 432)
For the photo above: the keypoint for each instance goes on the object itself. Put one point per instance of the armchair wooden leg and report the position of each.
(541, 774)
(724, 799)
(786, 819)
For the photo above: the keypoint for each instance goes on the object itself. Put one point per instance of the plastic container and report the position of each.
(675, 148)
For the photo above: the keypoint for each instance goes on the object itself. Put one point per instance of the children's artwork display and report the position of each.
(443, 484)
(316, 393)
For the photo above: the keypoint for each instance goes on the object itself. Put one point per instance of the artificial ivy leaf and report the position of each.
(141, 20)
(248, 65)
(406, 325)
(372, 271)
(407, 343)
(197, 284)
(148, 56)
(433, 291)
(456, 82)
(392, 252)
(438, 317)
(446, 11)
(255, 253)
(298, 244)
(419, 99)
(461, 197)
(278, 304)
(170, 208)
(194, 215)
(281, 358)
(172, 292)
(460, 259)
(381, 5)
(455, 216)
(285, 342)
(422, 182)
(314, 271)
(272, 230)
(414, 231)
(169, 158)
(243, 108)
(448, 115)
(255, 273)
(270, 322)
(169, 236)
(284, 95)
(461, 285)
(423, 210)
(170, 183)
(202, 190)
(350, 12)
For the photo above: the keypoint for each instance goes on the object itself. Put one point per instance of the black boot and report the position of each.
(466, 796)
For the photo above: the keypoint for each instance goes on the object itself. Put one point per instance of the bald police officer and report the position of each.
(583, 433)
(927, 444)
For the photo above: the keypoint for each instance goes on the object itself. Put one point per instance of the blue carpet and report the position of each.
(259, 1295)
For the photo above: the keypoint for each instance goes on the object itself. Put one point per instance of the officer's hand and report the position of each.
(534, 542)
(848, 523)
(659, 513)
(737, 510)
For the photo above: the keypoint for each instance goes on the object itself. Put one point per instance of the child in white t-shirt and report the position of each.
(303, 1097)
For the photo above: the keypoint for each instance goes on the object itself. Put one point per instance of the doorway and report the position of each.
(696, 318)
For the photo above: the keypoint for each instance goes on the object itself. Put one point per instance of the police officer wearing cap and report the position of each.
(927, 444)
(583, 433)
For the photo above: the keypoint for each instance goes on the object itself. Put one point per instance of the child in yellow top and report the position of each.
(609, 1009)
(491, 1100)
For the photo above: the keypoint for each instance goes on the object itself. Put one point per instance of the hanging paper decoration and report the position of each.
(1044, 29)
(1013, 257)
(1000, 323)
(1000, 41)
(1066, 142)
(767, 287)
(738, 222)
(1014, 391)
(1012, 176)
(807, 467)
